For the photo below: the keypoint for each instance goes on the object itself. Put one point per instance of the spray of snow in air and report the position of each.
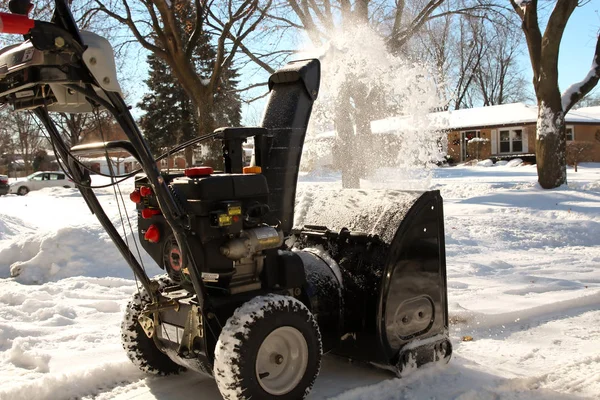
(403, 134)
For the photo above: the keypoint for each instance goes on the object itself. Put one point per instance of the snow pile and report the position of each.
(68, 252)
(485, 163)
(60, 340)
(50, 235)
(515, 162)
(478, 140)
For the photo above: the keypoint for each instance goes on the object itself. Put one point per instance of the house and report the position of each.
(500, 132)
(509, 130)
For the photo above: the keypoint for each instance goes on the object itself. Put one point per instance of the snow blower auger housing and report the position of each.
(248, 297)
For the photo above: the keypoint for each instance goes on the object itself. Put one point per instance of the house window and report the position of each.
(517, 141)
(511, 141)
(570, 133)
(504, 141)
(164, 163)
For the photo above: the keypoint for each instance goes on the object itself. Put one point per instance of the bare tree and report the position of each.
(578, 151)
(6, 143)
(590, 100)
(435, 44)
(172, 30)
(552, 106)
(73, 126)
(27, 137)
(475, 57)
(471, 51)
(499, 80)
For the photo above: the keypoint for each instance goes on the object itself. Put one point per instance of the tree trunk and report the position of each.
(364, 158)
(189, 156)
(206, 125)
(550, 144)
(345, 144)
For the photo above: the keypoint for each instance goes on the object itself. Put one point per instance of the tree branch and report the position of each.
(307, 22)
(128, 21)
(556, 27)
(286, 21)
(255, 85)
(533, 35)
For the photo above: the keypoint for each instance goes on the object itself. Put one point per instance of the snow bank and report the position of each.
(75, 251)
(515, 162)
(485, 163)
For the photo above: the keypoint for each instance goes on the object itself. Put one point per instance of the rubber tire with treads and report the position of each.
(242, 336)
(141, 349)
(22, 191)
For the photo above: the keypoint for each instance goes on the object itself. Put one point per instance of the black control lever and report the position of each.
(232, 139)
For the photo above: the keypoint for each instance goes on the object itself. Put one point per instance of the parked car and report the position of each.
(40, 180)
(4, 186)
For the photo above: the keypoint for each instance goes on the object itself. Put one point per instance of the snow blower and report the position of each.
(249, 297)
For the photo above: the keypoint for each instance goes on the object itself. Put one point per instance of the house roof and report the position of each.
(500, 115)
(584, 114)
(480, 117)
(505, 114)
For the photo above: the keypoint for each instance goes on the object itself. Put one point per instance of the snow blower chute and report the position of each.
(248, 296)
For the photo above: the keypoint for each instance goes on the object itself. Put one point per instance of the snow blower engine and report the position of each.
(253, 294)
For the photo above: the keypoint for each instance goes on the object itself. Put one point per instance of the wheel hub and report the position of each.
(282, 360)
(278, 359)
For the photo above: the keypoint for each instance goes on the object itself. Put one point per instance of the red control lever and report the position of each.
(150, 212)
(13, 23)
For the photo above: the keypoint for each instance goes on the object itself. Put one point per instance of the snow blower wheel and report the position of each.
(269, 349)
(141, 349)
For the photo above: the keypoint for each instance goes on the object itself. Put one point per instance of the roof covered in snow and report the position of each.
(500, 115)
(505, 114)
(584, 114)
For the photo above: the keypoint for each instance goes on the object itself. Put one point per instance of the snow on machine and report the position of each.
(248, 297)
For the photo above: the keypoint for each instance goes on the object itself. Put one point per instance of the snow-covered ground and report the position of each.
(523, 282)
